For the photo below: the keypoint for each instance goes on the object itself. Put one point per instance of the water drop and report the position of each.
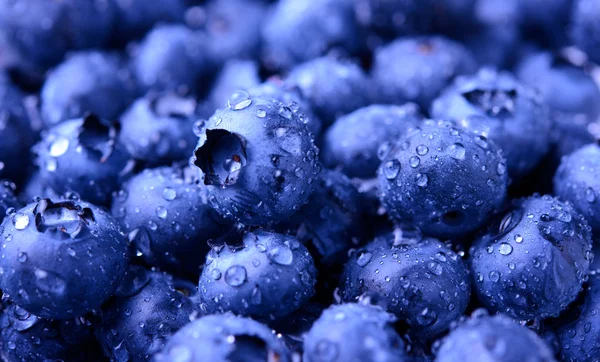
(256, 296)
(518, 238)
(435, 267)
(414, 161)
(391, 169)
(21, 221)
(481, 141)
(235, 275)
(501, 168)
(457, 151)
(281, 255)
(590, 195)
(22, 257)
(161, 212)
(239, 100)
(494, 276)
(215, 274)
(422, 150)
(422, 180)
(505, 249)
(261, 113)
(363, 258)
(169, 194)
(58, 147)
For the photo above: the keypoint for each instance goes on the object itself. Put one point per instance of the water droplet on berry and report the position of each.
(422, 180)
(169, 194)
(239, 100)
(391, 169)
(21, 221)
(58, 147)
(161, 212)
(457, 151)
(235, 275)
(422, 150)
(505, 249)
(363, 258)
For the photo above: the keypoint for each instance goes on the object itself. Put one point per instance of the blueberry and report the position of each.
(342, 331)
(135, 17)
(92, 82)
(334, 87)
(83, 155)
(577, 181)
(172, 58)
(548, 27)
(353, 141)
(62, 259)
(259, 158)
(36, 187)
(158, 129)
(533, 259)
(585, 27)
(168, 219)
(224, 337)
(454, 17)
(420, 280)
(511, 114)
(446, 180)
(297, 31)
(237, 74)
(390, 19)
(268, 276)
(145, 313)
(8, 200)
(493, 338)
(416, 69)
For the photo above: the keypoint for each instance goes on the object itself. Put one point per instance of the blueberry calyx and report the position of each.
(221, 158)
(98, 137)
(64, 217)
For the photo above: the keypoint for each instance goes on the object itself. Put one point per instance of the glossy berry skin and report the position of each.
(533, 260)
(168, 219)
(61, 260)
(82, 155)
(352, 142)
(341, 332)
(319, 26)
(87, 82)
(146, 311)
(224, 337)
(172, 58)
(417, 69)
(158, 129)
(577, 181)
(237, 74)
(136, 17)
(585, 27)
(578, 328)
(259, 159)
(381, 16)
(422, 282)
(334, 87)
(268, 276)
(446, 180)
(511, 114)
(493, 338)
(8, 200)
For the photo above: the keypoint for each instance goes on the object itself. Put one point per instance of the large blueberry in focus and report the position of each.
(61, 260)
(341, 332)
(268, 276)
(84, 156)
(533, 260)
(420, 280)
(224, 337)
(259, 159)
(168, 219)
(511, 114)
(444, 179)
(585, 27)
(352, 142)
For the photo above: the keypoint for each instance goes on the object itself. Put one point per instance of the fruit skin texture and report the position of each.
(208, 339)
(493, 338)
(585, 27)
(62, 259)
(512, 115)
(341, 331)
(444, 179)
(533, 260)
(268, 276)
(417, 69)
(87, 82)
(423, 282)
(258, 158)
(168, 219)
(82, 155)
(352, 142)
(146, 311)
(577, 181)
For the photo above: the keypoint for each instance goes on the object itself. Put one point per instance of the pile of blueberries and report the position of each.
(299, 180)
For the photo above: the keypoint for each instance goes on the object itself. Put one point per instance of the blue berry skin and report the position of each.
(493, 338)
(578, 328)
(334, 87)
(237, 74)
(61, 260)
(297, 31)
(577, 181)
(446, 180)
(8, 199)
(87, 82)
(26, 338)
(268, 276)
(36, 187)
(381, 17)
(168, 219)
(138, 321)
(136, 17)
(585, 27)
(158, 129)
(259, 159)
(509, 113)
(352, 142)
(341, 332)
(423, 283)
(224, 337)
(547, 27)
(172, 58)
(82, 155)
(533, 259)
(417, 69)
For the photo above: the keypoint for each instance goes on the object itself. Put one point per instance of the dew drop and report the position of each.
(391, 169)
(422, 150)
(422, 180)
(21, 221)
(235, 275)
(414, 161)
(22, 257)
(161, 212)
(363, 258)
(457, 151)
(169, 194)
(239, 100)
(58, 147)
(505, 249)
